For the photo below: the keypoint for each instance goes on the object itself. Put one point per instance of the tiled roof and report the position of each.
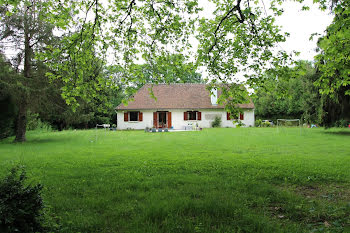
(174, 96)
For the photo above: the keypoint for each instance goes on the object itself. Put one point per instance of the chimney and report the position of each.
(214, 96)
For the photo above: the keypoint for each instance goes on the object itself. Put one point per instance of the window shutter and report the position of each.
(155, 119)
(140, 116)
(169, 120)
(228, 116)
(126, 116)
(241, 116)
(199, 116)
(185, 116)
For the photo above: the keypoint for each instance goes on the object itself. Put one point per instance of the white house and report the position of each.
(177, 106)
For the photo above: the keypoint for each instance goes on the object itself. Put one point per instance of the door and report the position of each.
(162, 121)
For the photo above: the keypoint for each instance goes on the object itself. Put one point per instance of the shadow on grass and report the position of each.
(341, 133)
(31, 140)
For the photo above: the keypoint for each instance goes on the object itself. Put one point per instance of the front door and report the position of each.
(162, 122)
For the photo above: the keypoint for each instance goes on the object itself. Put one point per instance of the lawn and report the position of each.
(215, 180)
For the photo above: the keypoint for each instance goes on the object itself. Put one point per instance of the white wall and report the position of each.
(177, 116)
(146, 122)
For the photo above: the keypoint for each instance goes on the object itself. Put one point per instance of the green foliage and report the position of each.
(21, 205)
(291, 94)
(258, 123)
(342, 123)
(240, 33)
(7, 116)
(168, 68)
(34, 123)
(333, 61)
(240, 38)
(216, 123)
(266, 124)
(240, 124)
(334, 66)
(8, 111)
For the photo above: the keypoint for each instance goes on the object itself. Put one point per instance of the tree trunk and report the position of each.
(21, 124)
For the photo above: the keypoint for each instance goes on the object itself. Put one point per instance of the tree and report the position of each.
(171, 68)
(7, 105)
(334, 65)
(152, 30)
(240, 39)
(24, 29)
(27, 25)
(290, 95)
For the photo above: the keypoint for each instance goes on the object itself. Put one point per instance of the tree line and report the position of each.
(60, 72)
(316, 92)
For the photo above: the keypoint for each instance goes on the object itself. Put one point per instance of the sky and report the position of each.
(300, 25)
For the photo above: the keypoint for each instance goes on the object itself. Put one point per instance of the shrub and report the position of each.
(258, 123)
(266, 124)
(7, 116)
(216, 122)
(34, 123)
(341, 123)
(21, 206)
(240, 123)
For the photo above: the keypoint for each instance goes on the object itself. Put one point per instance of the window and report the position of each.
(241, 116)
(134, 116)
(192, 115)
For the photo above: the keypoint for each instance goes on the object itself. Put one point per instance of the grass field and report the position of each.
(215, 180)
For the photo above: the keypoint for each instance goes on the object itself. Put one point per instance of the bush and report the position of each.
(217, 122)
(258, 123)
(341, 123)
(34, 123)
(7, 117)
(266, 124)
(21, 206)
(240, 124)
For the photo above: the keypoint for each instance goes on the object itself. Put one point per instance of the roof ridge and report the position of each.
(175, 84)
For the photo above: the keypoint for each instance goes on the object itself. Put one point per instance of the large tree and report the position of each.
(334, 65)
(26, 29)
(24, 32)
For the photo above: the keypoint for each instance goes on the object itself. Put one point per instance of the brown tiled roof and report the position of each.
(174, 96)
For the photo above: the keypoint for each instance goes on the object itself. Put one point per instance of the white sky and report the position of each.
(300, 25)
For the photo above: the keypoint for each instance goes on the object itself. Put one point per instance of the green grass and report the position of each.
(215, 180)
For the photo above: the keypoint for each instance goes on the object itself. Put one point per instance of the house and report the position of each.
(177, 106)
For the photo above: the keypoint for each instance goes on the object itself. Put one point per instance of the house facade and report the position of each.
(177, 106)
